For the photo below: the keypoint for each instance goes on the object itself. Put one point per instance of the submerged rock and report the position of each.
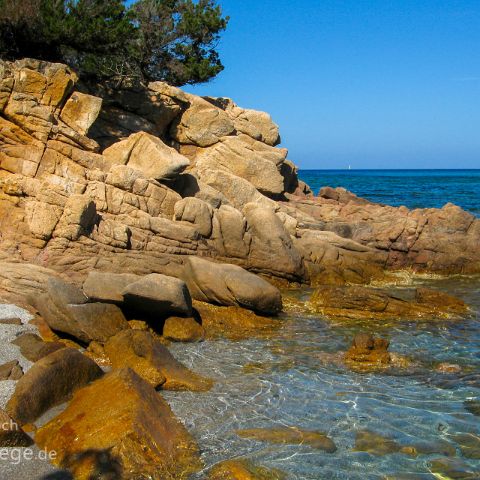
(469, 444)
(367, 349)
(243, 470)
(51, 381)
(123, 414)
(143, 353)
(290, 436)
(376, 444)
(355, 302)
(452, 468)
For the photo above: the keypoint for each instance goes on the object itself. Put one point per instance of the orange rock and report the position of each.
(243, 470)
(123, 414)
(183, 329)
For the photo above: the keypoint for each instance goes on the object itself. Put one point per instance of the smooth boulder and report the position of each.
(158, 294)
(226, 284)
(107, 287)
(183, 329)
(49, 382)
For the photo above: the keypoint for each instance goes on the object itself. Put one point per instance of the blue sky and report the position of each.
(366, 83)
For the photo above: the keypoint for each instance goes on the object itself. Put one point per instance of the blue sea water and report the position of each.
(289, 386)
(412, 188)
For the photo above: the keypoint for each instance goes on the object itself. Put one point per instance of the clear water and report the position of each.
(291, 387)
(294, 389)
(412, 188)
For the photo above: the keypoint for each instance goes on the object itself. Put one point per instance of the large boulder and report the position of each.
(80, 111)
(272, 248)
(51, 381)
(201, 124)
(143, 353)
(226, 284)
(123, 414)
(107, 287)
(65, 309)
(197, 212)
(251, 160)
(149, 155)
(157, 294)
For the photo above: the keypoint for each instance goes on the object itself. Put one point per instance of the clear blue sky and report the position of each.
(370, 83)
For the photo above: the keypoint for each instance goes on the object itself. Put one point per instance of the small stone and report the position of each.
(11, 435)
(11, 371)
(11, 321)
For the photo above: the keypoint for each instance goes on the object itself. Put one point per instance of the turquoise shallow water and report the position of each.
(412, 188)
(293, 387)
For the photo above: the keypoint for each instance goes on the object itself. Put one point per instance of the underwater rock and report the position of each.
(452, 468)
(363, 303)
(367, 349)
(290, 436)
(123, 414)
(469, 444)
(473, 406)
(376, 444)
(243, 470)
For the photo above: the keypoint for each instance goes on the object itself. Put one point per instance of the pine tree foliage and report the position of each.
(168, 40)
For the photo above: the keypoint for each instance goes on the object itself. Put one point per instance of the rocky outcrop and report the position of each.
(123, 414)
(136, 181)
(355, 302)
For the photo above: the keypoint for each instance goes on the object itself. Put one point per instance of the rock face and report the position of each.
(51, 381)
(224, 284)
(123, 414)
(357, 302)
(137, 181)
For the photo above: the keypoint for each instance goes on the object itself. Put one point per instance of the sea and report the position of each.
(279, 381)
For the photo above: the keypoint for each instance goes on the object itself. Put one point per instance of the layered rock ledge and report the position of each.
(138, 181)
